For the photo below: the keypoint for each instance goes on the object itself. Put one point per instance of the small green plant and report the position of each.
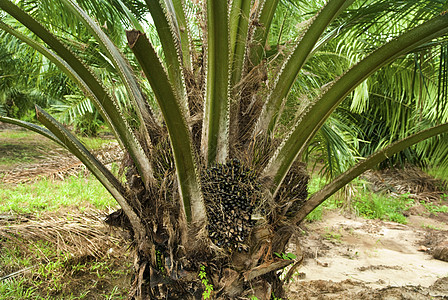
(16, 289)
(288, 256)
(332, 236)
(397, 217)
(429, 226)
(160, 265)
(434, 209)
(113, 294)
(273, 297)
(444, 197)
(208, 287)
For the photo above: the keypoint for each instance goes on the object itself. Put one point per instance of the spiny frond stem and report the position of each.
(318, 113)
(215, 135)
(178, 130)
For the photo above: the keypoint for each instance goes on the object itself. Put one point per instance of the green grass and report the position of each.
(383, 207)
(371, 205)
(17, 289)
(17, 134)
(366, 203)
(56, 275)
(429, 226)
(48, 195)
(434, 209)
(94, 143)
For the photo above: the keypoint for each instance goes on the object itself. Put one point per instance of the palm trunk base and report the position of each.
(234, 276)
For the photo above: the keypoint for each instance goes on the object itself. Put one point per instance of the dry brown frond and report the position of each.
(246, 93)
(410, 180)
(294, 190)
(81, 234)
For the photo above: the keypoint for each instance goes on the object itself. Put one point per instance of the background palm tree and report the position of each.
(215, 182)
(24, 80)
(402, 96)
(45, 84)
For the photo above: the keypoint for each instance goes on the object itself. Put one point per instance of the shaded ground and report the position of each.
(21, 147)
(26, 156)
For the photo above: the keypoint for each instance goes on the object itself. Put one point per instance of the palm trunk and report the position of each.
(170, 273)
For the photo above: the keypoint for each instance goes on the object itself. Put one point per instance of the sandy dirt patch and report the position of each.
(354, 258)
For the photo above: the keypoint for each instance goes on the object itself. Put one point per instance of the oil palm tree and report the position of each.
(44, 84)
(19, 92)
(214, 185)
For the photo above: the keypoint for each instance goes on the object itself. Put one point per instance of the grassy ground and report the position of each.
(359, 199)
(44, 254)
(54, 273)
(48, 270)
(79, 193)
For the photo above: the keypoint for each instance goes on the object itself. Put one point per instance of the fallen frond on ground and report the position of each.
(412, 181)
(63, 255)
(80, 234)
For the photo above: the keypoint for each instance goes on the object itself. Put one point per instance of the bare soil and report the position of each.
(347, 257)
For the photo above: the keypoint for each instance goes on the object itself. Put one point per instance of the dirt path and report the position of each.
(355, 258)
(26, 156)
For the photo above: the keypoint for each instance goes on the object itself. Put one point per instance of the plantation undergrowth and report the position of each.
(54, 245)
(78, 192)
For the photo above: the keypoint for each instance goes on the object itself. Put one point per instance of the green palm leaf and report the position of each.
(319, 112)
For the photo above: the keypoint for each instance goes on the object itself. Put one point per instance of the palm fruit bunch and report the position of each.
(231, 194)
